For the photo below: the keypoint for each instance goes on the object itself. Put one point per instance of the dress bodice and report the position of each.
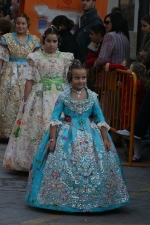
(79, 113)
(17, 49)
(50, 67)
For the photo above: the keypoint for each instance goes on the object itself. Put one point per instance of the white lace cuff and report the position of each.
(103, 124)
(55, 122)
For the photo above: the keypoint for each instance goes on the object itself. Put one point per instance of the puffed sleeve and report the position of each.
(36, 42)
(57, 111)
(98, 116)
(32, 72)
(67, 57)
(37, 47)
(4, 53)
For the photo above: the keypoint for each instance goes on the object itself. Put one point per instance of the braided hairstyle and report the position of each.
(76, 64)
(51, 30)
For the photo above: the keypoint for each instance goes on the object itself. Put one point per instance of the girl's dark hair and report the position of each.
(63, 20)
(116, 9)
(146, 19)
(5, 26)
(23, 15)
(129, 61)
(99, 28)
(76, 64)
(51, 30)
(118, 23)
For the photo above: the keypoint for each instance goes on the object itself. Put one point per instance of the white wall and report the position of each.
(111, 4)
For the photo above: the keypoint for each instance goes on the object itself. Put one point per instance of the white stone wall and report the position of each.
(112, 4)
(133, 43)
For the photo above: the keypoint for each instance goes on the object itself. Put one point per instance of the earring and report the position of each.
(57, 50)
(27, 31)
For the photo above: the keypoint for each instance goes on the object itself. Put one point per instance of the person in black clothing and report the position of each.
(87, 20)
(141, 125)
(3, 11)
(64, 25)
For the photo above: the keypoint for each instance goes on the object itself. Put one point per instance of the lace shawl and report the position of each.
(76, 105)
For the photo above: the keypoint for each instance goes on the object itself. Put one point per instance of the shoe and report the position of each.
(134, 159)
(123, 132)
(126, 133)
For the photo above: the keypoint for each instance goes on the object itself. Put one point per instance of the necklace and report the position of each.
(50, 55)
(23, 37)
(78, 92)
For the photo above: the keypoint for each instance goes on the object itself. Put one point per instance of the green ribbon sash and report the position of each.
(47, 83)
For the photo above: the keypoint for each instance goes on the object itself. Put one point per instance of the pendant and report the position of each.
(78, 92)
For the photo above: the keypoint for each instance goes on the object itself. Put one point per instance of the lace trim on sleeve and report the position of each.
(103, 124)
(31, 73)
(4, 53)
(55, 122)
(68, 57)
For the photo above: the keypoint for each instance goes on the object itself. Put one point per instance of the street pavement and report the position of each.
(15, 211)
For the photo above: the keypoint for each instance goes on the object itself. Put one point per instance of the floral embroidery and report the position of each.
(36, 118)
(19, 122)
(80, 175)
(77, 105)
(81, 122)
(39, 93)
(16, 133)
(67, 118)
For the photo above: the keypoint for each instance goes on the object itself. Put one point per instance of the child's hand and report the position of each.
(51, 145)
(119, 83)
(107, 144)
(107, 67)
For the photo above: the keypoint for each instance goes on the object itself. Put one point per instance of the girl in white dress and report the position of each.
(45, 77)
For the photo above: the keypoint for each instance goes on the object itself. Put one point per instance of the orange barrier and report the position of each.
(117, 105)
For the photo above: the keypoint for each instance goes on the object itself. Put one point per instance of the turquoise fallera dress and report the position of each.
(80, 176)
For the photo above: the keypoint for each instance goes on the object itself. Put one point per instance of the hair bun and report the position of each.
(52, 26)
(74, 63)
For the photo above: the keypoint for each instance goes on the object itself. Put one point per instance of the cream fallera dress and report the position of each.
(13, 54)
(48, 75)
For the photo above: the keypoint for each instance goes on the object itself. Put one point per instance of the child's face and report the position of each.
(95, 37)
(79, 79)
(145, 27)
(51, 43)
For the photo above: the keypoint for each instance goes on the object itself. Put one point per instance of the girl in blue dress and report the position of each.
(76, 168)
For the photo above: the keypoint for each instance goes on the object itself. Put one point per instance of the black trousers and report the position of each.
(143, 119)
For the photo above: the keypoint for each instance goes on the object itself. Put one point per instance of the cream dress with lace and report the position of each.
(13, 54)
(48, 75)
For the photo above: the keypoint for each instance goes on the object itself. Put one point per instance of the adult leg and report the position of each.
(143, 119)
